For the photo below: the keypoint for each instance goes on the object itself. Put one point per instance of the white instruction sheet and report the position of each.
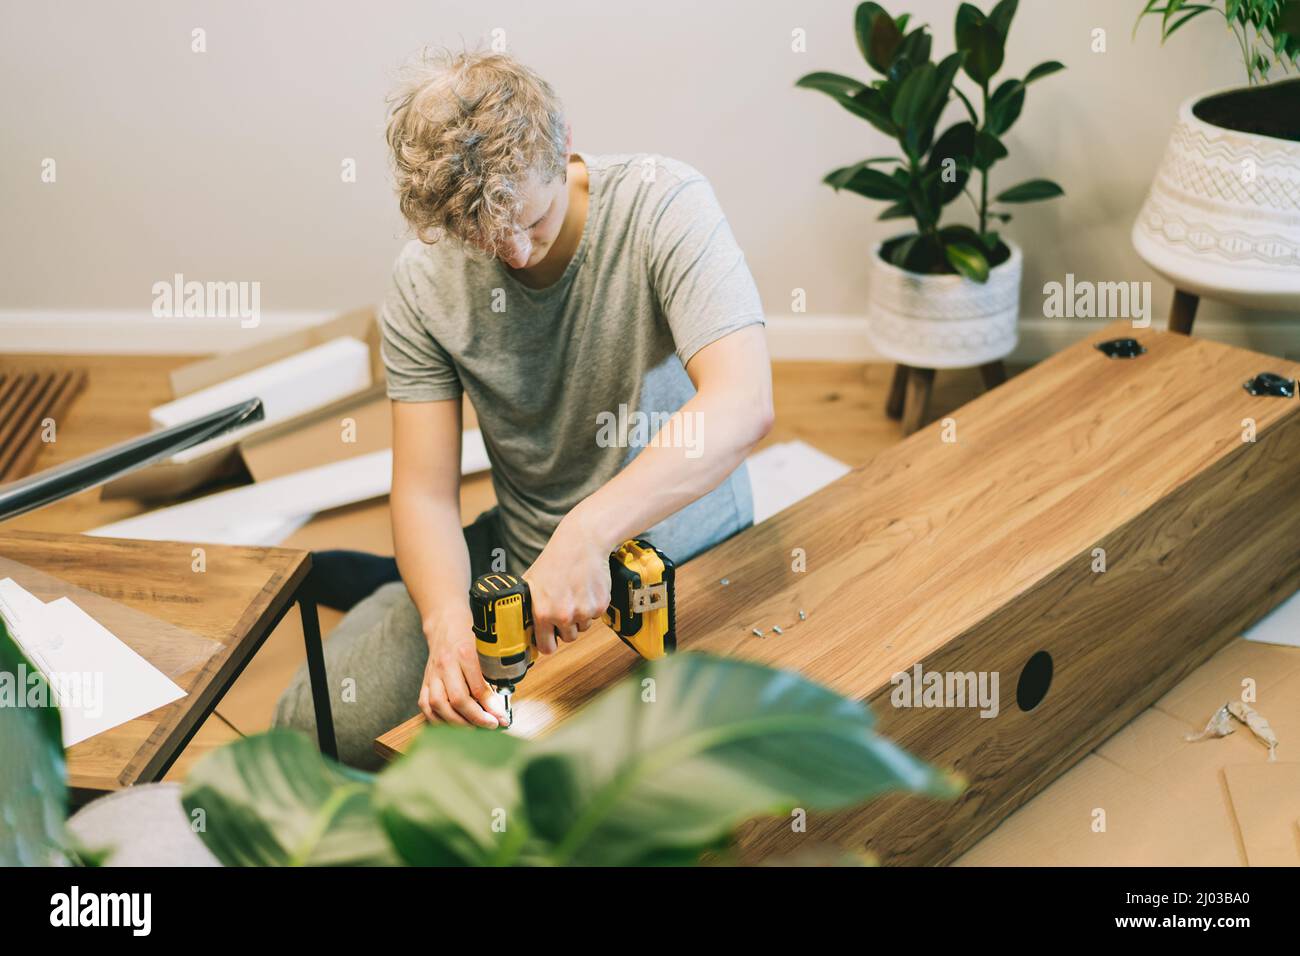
(97, 681)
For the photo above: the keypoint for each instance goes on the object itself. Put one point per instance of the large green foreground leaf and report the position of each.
(273, 800)
(33, 792)
(453, 799)
(657, 770)
(667, 764)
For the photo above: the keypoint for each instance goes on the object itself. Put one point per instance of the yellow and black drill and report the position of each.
(642, 612)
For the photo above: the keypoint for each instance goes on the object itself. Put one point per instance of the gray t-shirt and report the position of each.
(557, 376)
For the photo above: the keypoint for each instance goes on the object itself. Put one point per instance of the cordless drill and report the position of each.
(642, 612)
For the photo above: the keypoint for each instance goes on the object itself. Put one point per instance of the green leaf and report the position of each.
(910, 108)
(982, 40)
(273, 800)
(1005, 105)
(836, 84)
(1171, 7)
(1001, 15)
(873, 184)
(454, 798)
(631, 779)
(836, 178)
(984, 58)
(1031, 190)
(967, 261)
(870, 104)
(988, 150)
(916, 46)
(945, 73)
(862, 20)
(957, 144)
(1042, 70)
(883, 43)
(969, 20)
(860, 100)
(33, 788)
(899, 210)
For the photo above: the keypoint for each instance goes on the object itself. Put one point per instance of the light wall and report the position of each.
(225, 165)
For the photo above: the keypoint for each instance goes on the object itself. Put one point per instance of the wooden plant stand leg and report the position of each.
(994, 374)
(920, 383)
(1183, 312)
(894, 401)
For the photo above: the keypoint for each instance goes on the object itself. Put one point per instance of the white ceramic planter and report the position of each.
(1222, 218)
(944, 321)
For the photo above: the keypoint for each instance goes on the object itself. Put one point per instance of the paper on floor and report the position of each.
(267, 512)
(97, 681)
(787, 472)
(1279, 626)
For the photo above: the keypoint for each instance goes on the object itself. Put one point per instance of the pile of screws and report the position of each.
(776, 628)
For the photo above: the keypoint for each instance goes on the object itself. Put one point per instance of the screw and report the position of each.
(802, 615)
(756, 632)
(725, 581)
(777, 628)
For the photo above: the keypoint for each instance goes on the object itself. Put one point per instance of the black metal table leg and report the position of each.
(320, 688)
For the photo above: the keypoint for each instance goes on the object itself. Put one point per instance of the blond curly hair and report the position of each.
(465, 129)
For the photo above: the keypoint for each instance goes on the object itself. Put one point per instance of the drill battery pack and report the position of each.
(642, 605)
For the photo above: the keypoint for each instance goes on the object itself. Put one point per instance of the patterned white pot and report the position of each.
(943, 321)
(1222, 218)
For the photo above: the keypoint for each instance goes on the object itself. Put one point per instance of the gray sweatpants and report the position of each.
(374, 662)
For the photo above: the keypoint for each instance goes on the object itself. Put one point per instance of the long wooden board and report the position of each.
(974, 554)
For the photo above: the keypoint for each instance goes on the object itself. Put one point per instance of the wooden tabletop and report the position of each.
(226, 610)
(907, 552)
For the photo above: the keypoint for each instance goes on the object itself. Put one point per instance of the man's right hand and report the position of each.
(454, 690)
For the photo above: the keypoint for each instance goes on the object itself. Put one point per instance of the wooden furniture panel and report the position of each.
(975, 553)
(234, 602)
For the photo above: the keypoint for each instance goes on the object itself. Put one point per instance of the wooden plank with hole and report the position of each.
(973, 549)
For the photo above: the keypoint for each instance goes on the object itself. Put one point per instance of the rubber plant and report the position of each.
(659, 769)
(1266, 31)
(906, 102)
(33, 788)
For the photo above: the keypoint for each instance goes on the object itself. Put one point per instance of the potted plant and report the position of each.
(584, 794)
(945, 294)
(1222, 217)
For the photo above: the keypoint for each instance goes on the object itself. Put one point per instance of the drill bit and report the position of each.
(506, 693)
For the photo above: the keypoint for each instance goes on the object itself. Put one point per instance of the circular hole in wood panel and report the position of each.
(1035, 679)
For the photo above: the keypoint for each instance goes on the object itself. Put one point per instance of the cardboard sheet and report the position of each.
(171, 478)
(1266, 801)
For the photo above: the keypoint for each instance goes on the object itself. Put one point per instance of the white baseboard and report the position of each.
(812, 338)
(124, 332)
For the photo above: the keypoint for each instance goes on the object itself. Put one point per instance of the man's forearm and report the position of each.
(664, 477)
(431, 555)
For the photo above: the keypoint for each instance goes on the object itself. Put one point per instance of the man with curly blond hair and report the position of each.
(599, 314)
